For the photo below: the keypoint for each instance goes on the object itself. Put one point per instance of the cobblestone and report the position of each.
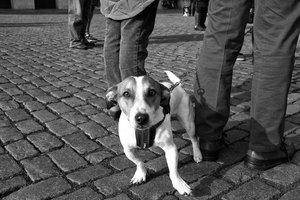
(58, 142)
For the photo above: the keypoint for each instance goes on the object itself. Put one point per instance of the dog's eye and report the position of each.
(152, 92)
(126, 94)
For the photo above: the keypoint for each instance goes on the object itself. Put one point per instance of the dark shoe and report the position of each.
(210, 150)
(78, 45)
(267, 160)
(87, 43)
(90, 38)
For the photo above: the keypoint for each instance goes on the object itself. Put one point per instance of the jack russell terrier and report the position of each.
(145, 121)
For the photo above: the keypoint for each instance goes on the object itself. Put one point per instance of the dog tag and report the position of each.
(145, 138)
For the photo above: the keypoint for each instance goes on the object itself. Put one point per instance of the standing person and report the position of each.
(88, 36)
(200, 14)
(78, 13)
(128, 27)
(276, 31)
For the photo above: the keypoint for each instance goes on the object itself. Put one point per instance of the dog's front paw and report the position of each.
(181, 186)
(139, 176)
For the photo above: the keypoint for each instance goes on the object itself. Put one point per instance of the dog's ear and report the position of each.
(111, 96)
(165, 98)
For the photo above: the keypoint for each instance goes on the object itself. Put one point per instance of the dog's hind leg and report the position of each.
(187, 120)
(141, 172)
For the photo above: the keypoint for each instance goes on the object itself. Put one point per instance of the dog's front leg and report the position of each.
(172, 159)
(141, 172)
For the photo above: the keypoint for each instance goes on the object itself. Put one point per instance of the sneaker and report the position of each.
(267, 160)
(78, 45)
(90, 38)
(199, 28)
(87, 43)
(241, 57)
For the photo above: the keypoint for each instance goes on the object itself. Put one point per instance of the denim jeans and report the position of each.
(125, 45)
(276, 31)
(78, 13)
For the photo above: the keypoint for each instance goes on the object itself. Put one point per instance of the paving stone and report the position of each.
(41, 190)
(21, 149)
(22, 98)
(66, 159)
(10, 134)
(233, 153)
(74, 118)
(194, 171)
(115, 183)
(60, 94)
(60, 108)
(44, 116)
(285, 174)
(40, 168)
(238, 173)
(291, 195)
(74, 102)
(70, 89)
(13, 91)
(88, 174)
(153, 189)
(98, 103)
(93, 130)
(29, 126)
(61, 127)
(99, 156)
(33, 106)
(46, 99)
(17, 115)
(87, 110)
(206, 188)
(85, 95)
(120, 197)
(13, 169)
(11, 184)
(81, 194)
(252, 190)
(112, 142)
(44, 141)
(122, 162)
(80, 143)
(4, 121)
(8, 105)
(103, 120)
(4, 96)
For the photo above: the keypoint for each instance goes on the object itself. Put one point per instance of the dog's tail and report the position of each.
(173, 78)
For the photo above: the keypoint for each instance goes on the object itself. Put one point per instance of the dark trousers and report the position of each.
(276, 31)
(125, 45)
(78, 13)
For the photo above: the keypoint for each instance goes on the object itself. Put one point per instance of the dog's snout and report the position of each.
(142, 118)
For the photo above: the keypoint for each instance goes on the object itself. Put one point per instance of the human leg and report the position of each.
(276, 33)
(135, 34)
(223, 40)
(77, 19)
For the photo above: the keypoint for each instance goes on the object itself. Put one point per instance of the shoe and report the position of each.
(78, 45)
(90, 38)
(87, 43)
(114, 109)
(241, 57)
(199, 28)
(210, 150)
(267, 160)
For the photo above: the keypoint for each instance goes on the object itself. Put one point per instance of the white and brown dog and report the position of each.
(145, 121)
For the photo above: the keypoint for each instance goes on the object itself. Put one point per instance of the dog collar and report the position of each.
(145, 138)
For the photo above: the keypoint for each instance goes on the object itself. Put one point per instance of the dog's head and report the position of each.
(140, 99)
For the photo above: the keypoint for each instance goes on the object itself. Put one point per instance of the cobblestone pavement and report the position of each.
(57, 141)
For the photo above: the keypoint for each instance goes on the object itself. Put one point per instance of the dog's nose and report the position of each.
(142, 118)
